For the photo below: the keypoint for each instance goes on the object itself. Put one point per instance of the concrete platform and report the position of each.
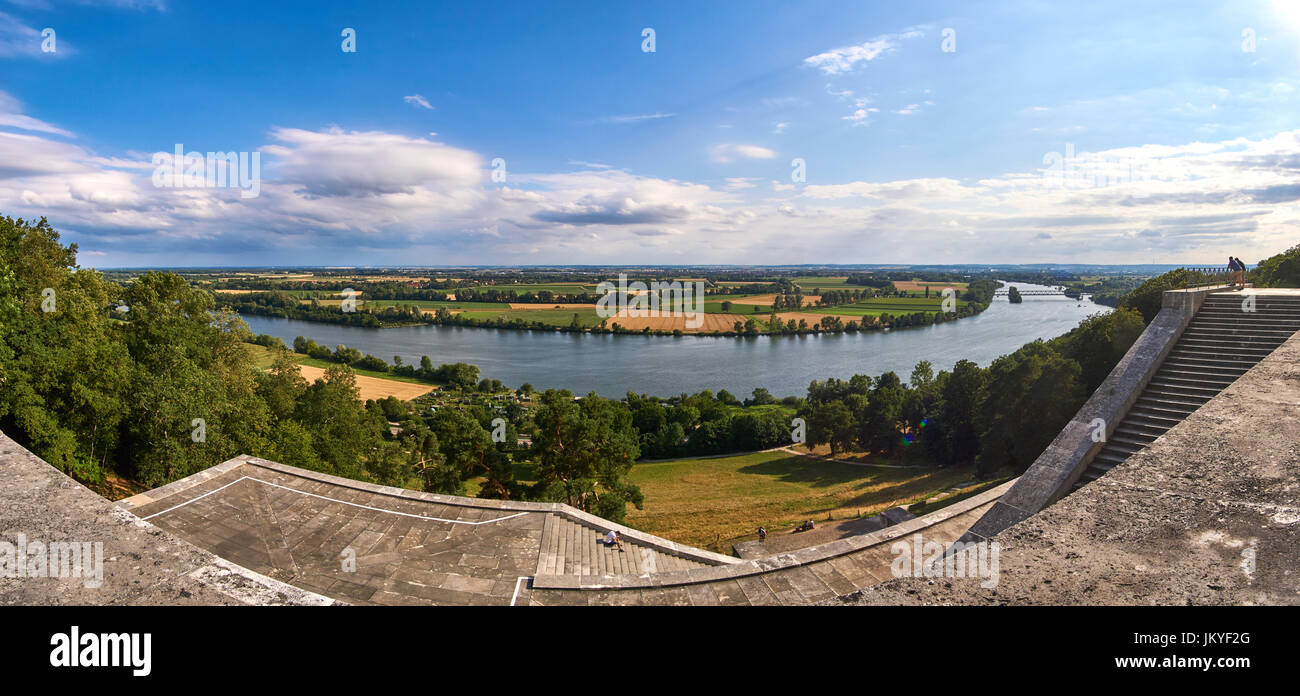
(1209, 514)
(366, 544)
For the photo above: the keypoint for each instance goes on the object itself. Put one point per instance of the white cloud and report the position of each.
(10, 117)
(382, 197)
(629, 118)
(18, 39)
(729, 152)
(844, 59)
(417, 100)
(358, 164)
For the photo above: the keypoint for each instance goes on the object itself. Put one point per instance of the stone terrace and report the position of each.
(367, 544)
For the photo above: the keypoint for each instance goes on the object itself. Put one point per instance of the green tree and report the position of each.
(1031, 395)
(584, 451)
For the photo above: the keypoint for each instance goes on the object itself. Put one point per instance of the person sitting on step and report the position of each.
(614, 539)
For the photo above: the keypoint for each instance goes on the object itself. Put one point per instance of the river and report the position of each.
(612, 365)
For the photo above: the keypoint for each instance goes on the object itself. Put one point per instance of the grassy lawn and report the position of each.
(712, 502)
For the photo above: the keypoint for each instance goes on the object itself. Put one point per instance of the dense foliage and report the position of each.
(1280, 271)
(151, 380)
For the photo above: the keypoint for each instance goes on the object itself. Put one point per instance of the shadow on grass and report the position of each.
(820, 473)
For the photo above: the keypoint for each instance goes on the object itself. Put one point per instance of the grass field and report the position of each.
(808, 283)
(435, 304)
(553, 317)
(520, 288)
(710, 503)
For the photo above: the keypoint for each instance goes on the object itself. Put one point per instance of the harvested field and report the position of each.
(769, 299)
(712, 322)
(562, 305)
(374, 387)
(816, 318)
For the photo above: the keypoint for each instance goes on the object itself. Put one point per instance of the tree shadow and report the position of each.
(814, 472)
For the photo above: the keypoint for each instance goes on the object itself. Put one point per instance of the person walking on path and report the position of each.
(1232, 272)
(1241, 272)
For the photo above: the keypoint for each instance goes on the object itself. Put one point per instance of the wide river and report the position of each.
(613, 365)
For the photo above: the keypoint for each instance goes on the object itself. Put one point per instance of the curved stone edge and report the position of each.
(1052, 474)
(744, 568)
(141, 563)
(561, 509)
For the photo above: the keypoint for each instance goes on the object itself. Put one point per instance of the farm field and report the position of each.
(435, 304)
(714, 502)
(808, 283)
(520, 288)
(554, 317)
(537, 305)
(814, 318)
(921, 285)
(768, 299)
(711, 322)
(876, 306)
(373, 387)
(369, 381)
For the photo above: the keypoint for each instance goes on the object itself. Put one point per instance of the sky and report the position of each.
(755, 132)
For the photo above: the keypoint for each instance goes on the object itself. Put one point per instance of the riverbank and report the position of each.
(613, 365)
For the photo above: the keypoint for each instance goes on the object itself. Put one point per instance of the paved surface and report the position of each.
(140, 564)
(787, 540)
(366, 544)
(806, 576)
(1208, 514)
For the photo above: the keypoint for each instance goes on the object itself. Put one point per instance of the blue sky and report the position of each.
(1105, 132)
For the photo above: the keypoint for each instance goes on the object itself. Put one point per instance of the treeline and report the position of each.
(150, 381)
(999, 417)
(704, 424)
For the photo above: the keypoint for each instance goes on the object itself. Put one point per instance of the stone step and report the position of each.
(1232, 347)
(1218, 367)
(1134, 429)
(1246, 318)
(1252, 335)
(1193, 379)
(1154, 417)
(1181, 404)
(1185, 387)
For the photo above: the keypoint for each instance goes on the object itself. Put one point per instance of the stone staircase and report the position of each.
(1220, 344)
(573, 548)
